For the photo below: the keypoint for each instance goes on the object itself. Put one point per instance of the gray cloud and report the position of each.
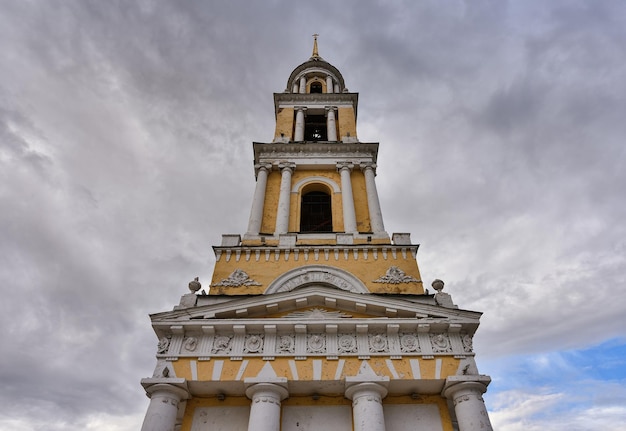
(125, 152)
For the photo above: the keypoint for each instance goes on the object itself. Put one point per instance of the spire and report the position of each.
(316, 54)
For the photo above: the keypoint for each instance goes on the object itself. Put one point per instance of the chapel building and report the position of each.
(316, 318)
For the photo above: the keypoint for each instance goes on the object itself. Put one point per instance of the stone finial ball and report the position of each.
(437, 285)
(195, 285)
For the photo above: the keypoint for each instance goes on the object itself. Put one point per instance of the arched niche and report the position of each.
(318, 275)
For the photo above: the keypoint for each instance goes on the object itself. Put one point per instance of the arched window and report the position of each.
(316, 87)
(315, 128)
(315, 212)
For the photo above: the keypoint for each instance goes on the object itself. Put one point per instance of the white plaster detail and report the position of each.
(242, 369)
(317, 313)
(315, 179)
(217, 370)
(253, 343)
(440, 343)
(285, 344)
(392, 369)
(316, 343)
(339, 370)
(415, 368)
(193, 366)
(267, 372)
(293, 369)
(409, 343)
(395, 275)
(317, 369)
(222, 344)
(238, 278)
(316, 274)
(347, 343)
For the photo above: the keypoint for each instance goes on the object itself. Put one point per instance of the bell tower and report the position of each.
(316, 318)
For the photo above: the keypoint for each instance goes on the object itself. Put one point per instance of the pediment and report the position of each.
(314, 321)
(316, 303)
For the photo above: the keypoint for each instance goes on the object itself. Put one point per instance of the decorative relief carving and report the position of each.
(395, 275)
(222, 344)
(164, 343)
(468, 344)
(190, 344)
(378, 343)
(409, 343)
(317, 313)
(316, 343)
(285, 344)
(440, 343)
(253, 343)
(316, 277)
(347, 343)
(236, 279)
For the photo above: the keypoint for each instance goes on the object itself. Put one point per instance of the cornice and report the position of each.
(269, 152)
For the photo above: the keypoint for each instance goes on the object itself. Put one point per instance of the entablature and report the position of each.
(315, 154)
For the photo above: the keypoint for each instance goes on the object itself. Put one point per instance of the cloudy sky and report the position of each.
(126, 134)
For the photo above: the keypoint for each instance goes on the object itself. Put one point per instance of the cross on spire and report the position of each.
(315, 51)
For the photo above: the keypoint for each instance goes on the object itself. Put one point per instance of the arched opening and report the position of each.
(316, 212)
(316, 87)
(315, 128)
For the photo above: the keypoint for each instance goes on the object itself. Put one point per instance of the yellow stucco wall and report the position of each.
(346, 122)
(367, 270)
(272, 193)
(302, 370)
(284, 123)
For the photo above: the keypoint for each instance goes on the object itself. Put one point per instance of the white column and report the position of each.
(376, 215)
(336, 88)
(466, 394)
(331, 128)
(349, 215)
(367, 406)
(256, 213)
(163, 408)
(329, 84)
(302, 84)
(299, 133)
(282, 216)
(265, 406)
(295, 87)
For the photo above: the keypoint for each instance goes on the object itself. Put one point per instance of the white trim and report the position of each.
(296, 187)
(320, 275)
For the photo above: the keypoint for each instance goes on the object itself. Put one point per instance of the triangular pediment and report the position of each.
(316, 303)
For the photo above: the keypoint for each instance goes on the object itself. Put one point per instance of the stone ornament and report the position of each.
(440, 343)
(395, 275)
(409, 343)
(222, 344)
(347, 343)
(190, 344)
(316, 343)
(164, 343)
(317, 313)
(253, 343)
(236, 279)
(467, 343)
(285, 344)
(378, 343)
(194, 285)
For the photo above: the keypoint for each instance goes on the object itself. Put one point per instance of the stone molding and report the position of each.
(316, 274)
(236, 279)
(302, 339)
(395, 275)
(316, 254)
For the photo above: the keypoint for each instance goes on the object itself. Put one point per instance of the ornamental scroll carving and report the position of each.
(316, 313)
(236, 279)
(395, 275)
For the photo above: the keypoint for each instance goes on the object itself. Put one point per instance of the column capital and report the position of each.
(267, 389)
(330, 108)
(300, 108)
(456, 386)
(176, 386)
(286, 165)
(345, 165)
(368, 165)
(262, 166)
(372, 389)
